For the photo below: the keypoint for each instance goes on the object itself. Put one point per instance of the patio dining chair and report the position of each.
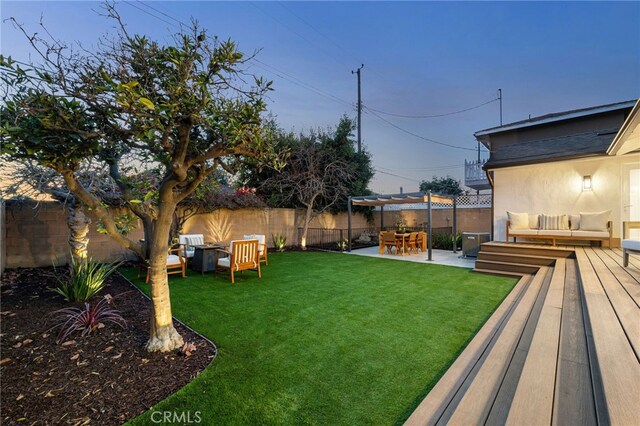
(412, 242)
(421, 241)
(389, 241)
(242, 255)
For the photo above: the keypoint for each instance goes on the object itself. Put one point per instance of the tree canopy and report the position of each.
(184, 108)
(442, 185)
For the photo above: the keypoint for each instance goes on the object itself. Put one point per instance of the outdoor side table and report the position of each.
(204, 257)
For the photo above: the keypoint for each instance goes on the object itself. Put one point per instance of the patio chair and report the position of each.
(412, 243)
(389, 241)
(421, 241)
(187, 241)
(629, 245)
(242, 255)
(262, 246)
(176, 263)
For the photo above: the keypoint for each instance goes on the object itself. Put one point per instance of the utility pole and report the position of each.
(500, 98)
(359, 109)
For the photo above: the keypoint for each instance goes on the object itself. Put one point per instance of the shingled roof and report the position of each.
(557, 116)
(553, 149)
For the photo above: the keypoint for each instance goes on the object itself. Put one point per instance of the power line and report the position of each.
(423, 169)
(416, 135)
(395, 175)
(270, 68)
(299, 82)
(434, 115)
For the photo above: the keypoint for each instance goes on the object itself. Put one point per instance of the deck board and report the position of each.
(616, 360)
(435, 403)
(534, 394)
(504, 398)
(564, 350)
(475, 404)
(574, 402)
(623, 275)
(625, 308)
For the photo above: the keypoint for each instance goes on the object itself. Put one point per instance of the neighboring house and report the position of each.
(584, 160)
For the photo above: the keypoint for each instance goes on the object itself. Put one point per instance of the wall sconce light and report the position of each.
(586, 183)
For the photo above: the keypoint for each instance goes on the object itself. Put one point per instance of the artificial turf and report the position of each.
(326, 338)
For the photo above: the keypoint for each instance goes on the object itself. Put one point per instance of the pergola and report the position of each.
(409, 198)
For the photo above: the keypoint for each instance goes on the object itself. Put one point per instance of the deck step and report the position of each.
(533, 398)
(527, 249)
(436, 402)
(517, 258)
(521, 268)
(477, 401)
(498, 273)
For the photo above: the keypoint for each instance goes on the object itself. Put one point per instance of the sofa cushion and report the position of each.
(523, 231)
(590, 234)
(631, 245)
(574, 222)
(555, 232)
(596, 221)
(534, 221)
(560, 222)
(518, 220)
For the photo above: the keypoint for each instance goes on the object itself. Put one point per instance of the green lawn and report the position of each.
(327, 338)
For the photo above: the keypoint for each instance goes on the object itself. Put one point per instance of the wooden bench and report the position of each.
(560, 234)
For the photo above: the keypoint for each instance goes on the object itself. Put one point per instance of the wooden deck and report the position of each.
(563, 348)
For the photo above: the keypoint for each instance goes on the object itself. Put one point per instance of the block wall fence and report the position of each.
(36, 235)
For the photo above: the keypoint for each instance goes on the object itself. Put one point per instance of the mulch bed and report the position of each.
(105, 378)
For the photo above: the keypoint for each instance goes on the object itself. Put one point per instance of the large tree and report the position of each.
(180, 107)
(322, 170)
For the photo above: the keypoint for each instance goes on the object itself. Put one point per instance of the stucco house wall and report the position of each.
(556, 188)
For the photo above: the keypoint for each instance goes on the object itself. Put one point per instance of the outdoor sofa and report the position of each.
(589, 226)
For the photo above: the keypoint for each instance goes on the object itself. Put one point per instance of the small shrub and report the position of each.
(279, 241)
(87, 318)
(342, 245)
(85, 280)
(445, 241)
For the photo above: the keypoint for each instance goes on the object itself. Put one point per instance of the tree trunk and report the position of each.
(148, 227)
(305, 227)
(164, 336)
(78, 224)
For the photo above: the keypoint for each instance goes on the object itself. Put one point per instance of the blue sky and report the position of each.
(421, 58)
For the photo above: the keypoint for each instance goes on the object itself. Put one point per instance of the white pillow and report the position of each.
(534, 221)
(596, 221)
(575, 221)
(560, 222)
(519, 220)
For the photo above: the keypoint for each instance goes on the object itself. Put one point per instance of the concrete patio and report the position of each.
(440, 257)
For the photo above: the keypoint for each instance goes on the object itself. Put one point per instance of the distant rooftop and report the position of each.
(557, 116)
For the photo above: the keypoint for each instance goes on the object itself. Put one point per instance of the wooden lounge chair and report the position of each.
(242, 255)
(176, 263)
(262, 246)
(389, 241)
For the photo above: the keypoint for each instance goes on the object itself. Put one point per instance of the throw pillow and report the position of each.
(534, 221)
(560, 222)
(519, 220)
(596, 221)
(575, 221)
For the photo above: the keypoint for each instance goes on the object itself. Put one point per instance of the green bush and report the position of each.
(445, 241)
(85, 279)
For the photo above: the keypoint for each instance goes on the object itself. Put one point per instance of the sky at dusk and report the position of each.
(420, 59)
